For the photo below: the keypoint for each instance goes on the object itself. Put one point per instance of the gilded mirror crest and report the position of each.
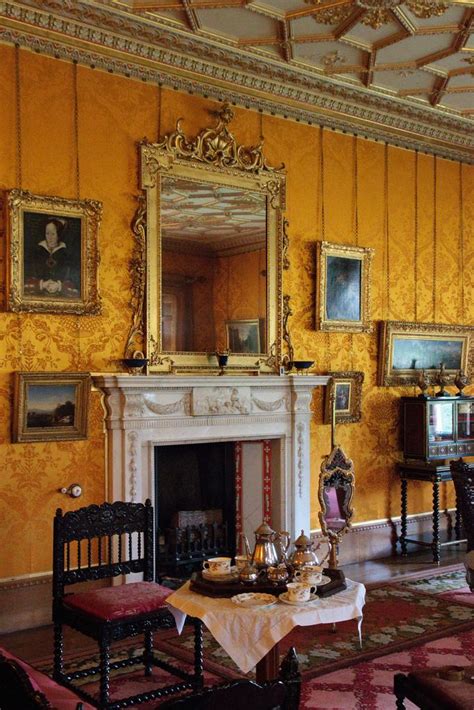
(214, 236)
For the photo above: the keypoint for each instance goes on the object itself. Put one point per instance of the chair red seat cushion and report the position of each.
(120, 602)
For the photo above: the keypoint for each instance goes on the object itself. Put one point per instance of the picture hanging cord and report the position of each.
(415, 238)
(355, 211)
(386, 235)
(78, 363)
(158, 123)
(435, 230)
(19, 175)
(462, 314)
(322, 225)
(19, 167)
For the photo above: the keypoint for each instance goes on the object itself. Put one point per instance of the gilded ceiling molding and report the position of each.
(136, 49)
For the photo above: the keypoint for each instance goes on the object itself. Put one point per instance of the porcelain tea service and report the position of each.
(217, 566)
(308, 574)
(300, 591)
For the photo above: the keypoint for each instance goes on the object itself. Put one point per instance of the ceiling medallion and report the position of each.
(378, 12)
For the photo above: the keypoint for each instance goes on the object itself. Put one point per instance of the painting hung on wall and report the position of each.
(50, 406)
(344, 287)
(408, 348)
(53, 254)
(346, 389)
(243, 336)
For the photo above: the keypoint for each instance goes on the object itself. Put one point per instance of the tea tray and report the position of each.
(228, 589)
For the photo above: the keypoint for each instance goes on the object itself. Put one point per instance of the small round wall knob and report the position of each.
(74, 490)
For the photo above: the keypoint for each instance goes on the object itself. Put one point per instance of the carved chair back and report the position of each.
(462, 474)
(102, 541)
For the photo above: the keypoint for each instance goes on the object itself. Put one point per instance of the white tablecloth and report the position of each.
(248, 634)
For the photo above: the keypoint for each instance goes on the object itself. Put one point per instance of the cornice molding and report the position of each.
(114, 41)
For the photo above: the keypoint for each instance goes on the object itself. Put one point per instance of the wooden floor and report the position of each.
(36, 644)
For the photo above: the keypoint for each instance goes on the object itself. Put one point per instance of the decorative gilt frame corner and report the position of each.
(214, 156)
(364, 255)
(391, 330)
(355, 378)
(78, 430)
(19, 202)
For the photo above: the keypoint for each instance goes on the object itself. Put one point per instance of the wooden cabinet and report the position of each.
(437, 427)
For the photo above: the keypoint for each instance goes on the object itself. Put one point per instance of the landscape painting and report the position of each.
(50, 406)
(408, 348)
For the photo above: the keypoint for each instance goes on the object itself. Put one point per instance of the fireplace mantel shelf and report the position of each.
(145, 411)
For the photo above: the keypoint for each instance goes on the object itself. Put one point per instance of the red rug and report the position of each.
(369, 685)
(402, 625)
(396, 617)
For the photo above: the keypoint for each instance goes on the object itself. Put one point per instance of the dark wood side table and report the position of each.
(434, 473)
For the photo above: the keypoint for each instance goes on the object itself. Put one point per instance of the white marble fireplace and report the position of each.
(148, 411)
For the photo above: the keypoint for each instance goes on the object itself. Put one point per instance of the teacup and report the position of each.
(241, 561)
(309, 575)
(217, 565)
(300, 591)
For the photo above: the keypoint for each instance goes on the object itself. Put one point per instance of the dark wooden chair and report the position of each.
(100, 542)
(445, 688)
(462, 474)
(17, 690)
(280, 694)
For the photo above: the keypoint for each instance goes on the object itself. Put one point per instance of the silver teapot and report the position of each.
(304, 555)
(267, 541)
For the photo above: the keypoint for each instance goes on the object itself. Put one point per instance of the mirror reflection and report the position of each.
(336, 496)
(214, 267)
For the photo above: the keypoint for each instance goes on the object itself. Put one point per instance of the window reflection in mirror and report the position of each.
(214, 267)
(335, 501)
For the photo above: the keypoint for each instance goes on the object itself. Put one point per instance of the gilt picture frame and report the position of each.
(243, 336)
(53, 254)
(347, 390)
(406, 348)
(343, 273)
(50, 406)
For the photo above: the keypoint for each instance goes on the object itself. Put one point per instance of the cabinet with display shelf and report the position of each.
(436, 428)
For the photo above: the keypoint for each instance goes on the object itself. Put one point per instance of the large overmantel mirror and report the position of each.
(214, 252)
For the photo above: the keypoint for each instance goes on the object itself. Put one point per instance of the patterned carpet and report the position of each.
(426, 622)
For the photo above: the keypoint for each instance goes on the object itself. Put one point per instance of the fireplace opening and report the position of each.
(195, 505)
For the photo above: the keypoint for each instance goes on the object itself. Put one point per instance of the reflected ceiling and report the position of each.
(211, 219)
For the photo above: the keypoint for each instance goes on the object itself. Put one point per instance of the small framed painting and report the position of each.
(243, 336)
(53, 254)
(408, 348)
(345, 389)
(50, 406)
(344, 288)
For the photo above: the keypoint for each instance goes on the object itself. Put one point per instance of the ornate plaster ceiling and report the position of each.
(395, 70)
(419, 50)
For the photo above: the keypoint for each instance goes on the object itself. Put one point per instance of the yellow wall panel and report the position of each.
(113, 115)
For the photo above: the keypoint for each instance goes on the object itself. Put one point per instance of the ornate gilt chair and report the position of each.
(100, 542)
(280, 694)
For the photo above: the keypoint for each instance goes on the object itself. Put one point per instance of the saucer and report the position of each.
(253, 599)
(228, 577)
(324, 580)
(284, 598)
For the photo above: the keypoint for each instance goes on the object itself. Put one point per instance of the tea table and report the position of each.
(250, 636)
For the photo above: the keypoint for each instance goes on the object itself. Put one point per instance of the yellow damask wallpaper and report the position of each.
(423, 269)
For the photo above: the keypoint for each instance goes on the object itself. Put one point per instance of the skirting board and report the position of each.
(26, 603)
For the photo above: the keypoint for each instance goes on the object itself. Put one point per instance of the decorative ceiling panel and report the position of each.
(389, 69)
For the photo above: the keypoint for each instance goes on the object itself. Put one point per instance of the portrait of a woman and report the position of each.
(51, 267)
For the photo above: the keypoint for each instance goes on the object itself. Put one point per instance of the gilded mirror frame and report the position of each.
(213, 156)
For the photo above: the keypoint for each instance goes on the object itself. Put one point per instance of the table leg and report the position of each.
(436, 546)
(403, 517)
(268, 667)
(359, 629)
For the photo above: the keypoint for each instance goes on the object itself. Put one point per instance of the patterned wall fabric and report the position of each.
(114, 113)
